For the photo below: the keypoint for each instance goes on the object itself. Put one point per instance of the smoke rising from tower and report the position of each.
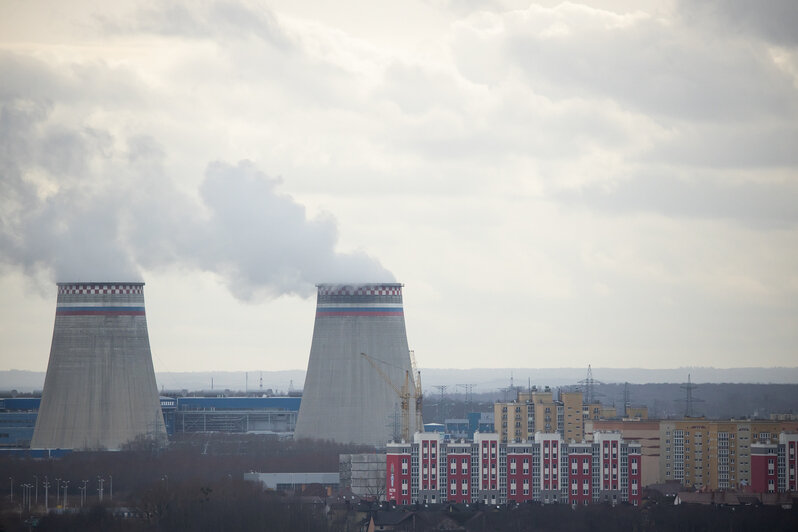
(100, 390)
(81, 204)
(349, 397)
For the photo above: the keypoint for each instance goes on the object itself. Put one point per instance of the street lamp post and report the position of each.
(46, 485)
(66, 492)
(100, 480)
(12, 489)
(26, 496)
(57, 492)
(112, 486)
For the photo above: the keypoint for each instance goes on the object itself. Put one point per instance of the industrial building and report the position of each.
(273, 415)
(99, 390)
(544, 469)
(360, 380)
(464, 428)
(363, 474)
(295, 482)
(17, 420)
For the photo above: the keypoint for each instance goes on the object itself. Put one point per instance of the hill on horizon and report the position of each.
(482, 379)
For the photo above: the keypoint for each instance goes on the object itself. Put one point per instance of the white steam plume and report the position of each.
(80, 205)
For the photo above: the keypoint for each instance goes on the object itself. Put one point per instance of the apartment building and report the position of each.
(538, 411)
(714, 454)
(544, 469)
(643, 431)
(773, 465)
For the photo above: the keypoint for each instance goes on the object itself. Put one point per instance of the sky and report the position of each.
(611, 183)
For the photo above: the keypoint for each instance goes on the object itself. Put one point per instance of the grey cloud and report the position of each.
(758, 205)
(665, 70)
(31, 80)
(765, 145)
(214, 19)
(653, 70)
(774, 21)
(416, 90)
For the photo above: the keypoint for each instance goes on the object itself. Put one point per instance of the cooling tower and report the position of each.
(349, 397)
(100, 390)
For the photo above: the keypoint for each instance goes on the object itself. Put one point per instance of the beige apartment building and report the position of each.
(538, 411)
(573, 422)
(597, 411)
(645, 432)
(713, 454)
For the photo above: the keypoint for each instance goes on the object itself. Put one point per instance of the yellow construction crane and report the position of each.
(403, 393)
(419, 394)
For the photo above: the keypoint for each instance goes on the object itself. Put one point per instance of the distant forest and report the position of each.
(720, 401)
(710, 400)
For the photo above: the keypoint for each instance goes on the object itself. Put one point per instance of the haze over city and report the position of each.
(556, 184)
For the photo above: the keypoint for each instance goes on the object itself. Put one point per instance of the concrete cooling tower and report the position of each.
(354, 397)
(100, 391)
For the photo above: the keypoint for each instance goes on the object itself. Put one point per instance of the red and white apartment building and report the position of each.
(773, 465)
(546, 469)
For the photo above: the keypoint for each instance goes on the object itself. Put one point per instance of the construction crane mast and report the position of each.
(403, 393)
(419, 394)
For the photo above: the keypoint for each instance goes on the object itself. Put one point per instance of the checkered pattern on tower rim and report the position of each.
(91, 289)
(368, 290)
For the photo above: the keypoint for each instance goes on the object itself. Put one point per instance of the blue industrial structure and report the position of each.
(181, 414)
(463, 428)
(17, 420)
(230, 414)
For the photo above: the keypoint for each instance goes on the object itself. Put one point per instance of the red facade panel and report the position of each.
(519, 477)
(458, 478)
(397, 478)
(580, 478)
(764, 477)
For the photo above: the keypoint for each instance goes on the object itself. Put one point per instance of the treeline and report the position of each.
(717, 401)
(655, 518)
(189, 457)
(221, 505)
(235, 505)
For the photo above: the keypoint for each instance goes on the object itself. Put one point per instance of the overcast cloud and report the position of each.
(557, 184)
